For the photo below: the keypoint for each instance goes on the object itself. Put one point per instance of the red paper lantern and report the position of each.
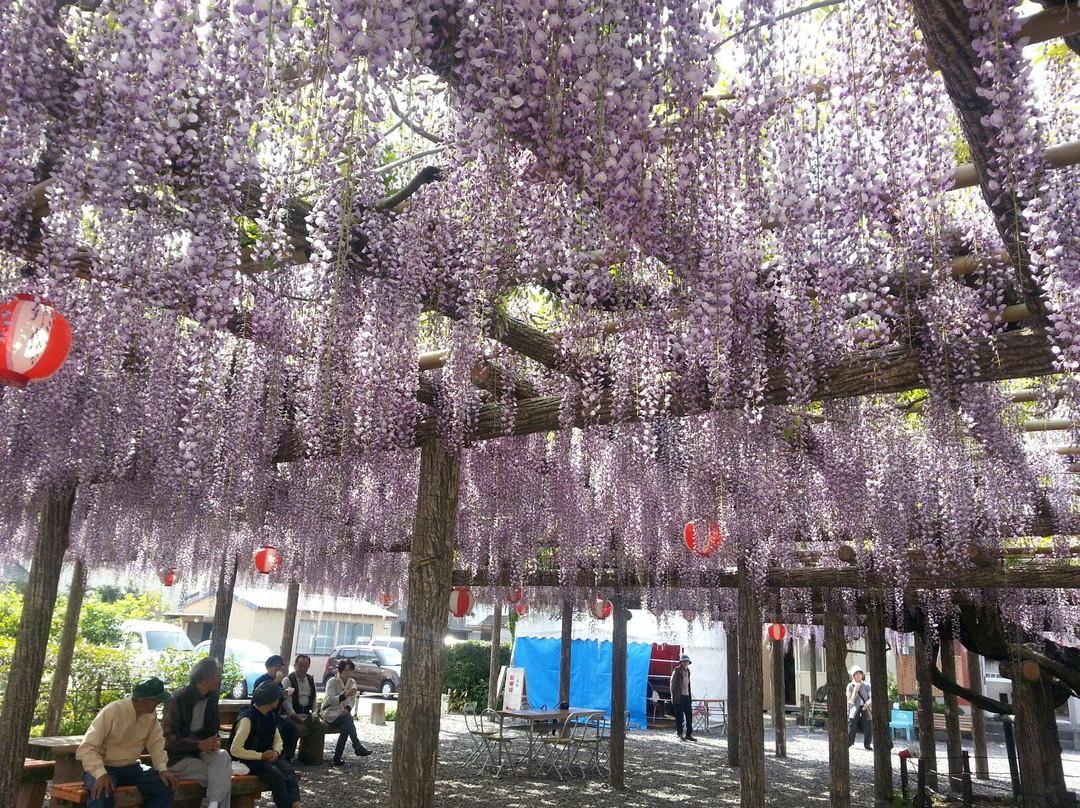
(657, 613)
(385, 599)
(460, 601)
(522, 608)
(168, 577)
(696, 541)
(267, 559)
(515, 596)
(1031, 671)
(777, 632)
(601, 608)
(689, 616)
(34, 340)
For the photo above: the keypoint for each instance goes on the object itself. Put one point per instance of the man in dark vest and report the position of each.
(256, 741)
(275, 674)
(680, 699)
(301, 705)
(191, 728)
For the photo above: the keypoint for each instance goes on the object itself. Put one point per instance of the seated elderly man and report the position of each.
(191, 734)
(117, 736)
(257, 741)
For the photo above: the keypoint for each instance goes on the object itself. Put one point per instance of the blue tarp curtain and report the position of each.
(590, 674)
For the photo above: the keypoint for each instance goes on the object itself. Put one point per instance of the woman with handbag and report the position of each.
(337, 706)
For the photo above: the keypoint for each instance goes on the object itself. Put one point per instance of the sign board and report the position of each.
(515, 688)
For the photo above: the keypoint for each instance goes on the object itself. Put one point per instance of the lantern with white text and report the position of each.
(600, 608)
(522, 608)
(385, 599)
(168, 577)
(34, 340)
(777, 632)
(460, 601)
(267, 559)
(703, 539)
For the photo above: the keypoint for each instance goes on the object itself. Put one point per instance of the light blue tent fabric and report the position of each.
(590, 674)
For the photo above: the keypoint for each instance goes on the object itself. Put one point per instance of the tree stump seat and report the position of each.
(246, 789)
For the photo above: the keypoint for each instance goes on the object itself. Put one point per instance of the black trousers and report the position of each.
(281, 778)
(683, 712)
(853, 728)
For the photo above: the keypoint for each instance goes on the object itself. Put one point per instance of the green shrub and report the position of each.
(391, 715)
(468, 667)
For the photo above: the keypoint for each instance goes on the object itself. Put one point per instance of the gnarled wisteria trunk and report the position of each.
(751, 717)
(28, 659)
(734, 694)
(223, 606)
(66, 652)
(836, 678)
(416, 731)
(288, 630)
(1038, 746)
(978, 716)
(927, 740)
(953, 746)
(495, 659)
(617, 743)
(880, 708)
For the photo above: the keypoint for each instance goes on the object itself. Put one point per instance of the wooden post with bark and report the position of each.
(734, 695)
(751, 717)
(288, 631)
(617, 742)
(28, 658)
(1038, 746)
(778, 712)
(978, 717)
(416, 731)
(880, 708)
(925, 707)
(953, 747)
(836, 678)
(54, 716)
(219, 632)
(495, 663)
(566, 641)
(813, 666)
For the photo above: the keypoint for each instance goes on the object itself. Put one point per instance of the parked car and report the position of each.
(150, 637)
(377, 669)
(251, 658)
(397, 643)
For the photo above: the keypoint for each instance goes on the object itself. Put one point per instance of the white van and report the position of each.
(148, 636)
(397, 643)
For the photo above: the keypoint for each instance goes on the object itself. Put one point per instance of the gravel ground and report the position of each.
(659, 768)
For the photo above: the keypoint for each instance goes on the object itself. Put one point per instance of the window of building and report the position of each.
(320, 637)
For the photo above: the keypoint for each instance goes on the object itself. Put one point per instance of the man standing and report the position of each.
(275, 674)
(858, 702)
(300, 707)
(680, 699)
(191, 734)
(257, 741)
(117, 736)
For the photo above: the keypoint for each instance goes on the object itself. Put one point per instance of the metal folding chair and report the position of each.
(480, 740)
(554, 749)
(498, 745)
(590, 746)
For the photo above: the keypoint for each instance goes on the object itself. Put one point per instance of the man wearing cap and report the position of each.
(191, 727)
(275, 674)
(256, 740)
(680, 699)
(858, 702)
(117, 736)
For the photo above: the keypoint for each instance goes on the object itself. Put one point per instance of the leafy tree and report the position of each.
(10, 612)
(100, 621)
(468, 666)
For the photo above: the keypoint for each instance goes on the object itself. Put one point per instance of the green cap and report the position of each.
(151, 688)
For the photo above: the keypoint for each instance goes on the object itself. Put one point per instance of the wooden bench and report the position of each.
(964, 720)
(246, 789)
(819, 711)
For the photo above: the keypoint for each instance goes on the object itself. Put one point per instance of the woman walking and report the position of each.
(337, 706)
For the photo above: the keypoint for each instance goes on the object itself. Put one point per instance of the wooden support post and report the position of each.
(978, 717)
(223, 606)
(813, 666)
(495, 664)
(416, 731)
(927, 739)
(751, 717)
(66, 652)
(953, 747)
(1038, 747)
(836, 677)
(880, 708)
(564, 653)
(288, 630)
(617, 743)
(778, 712)
(28, 658)
(734, 695)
